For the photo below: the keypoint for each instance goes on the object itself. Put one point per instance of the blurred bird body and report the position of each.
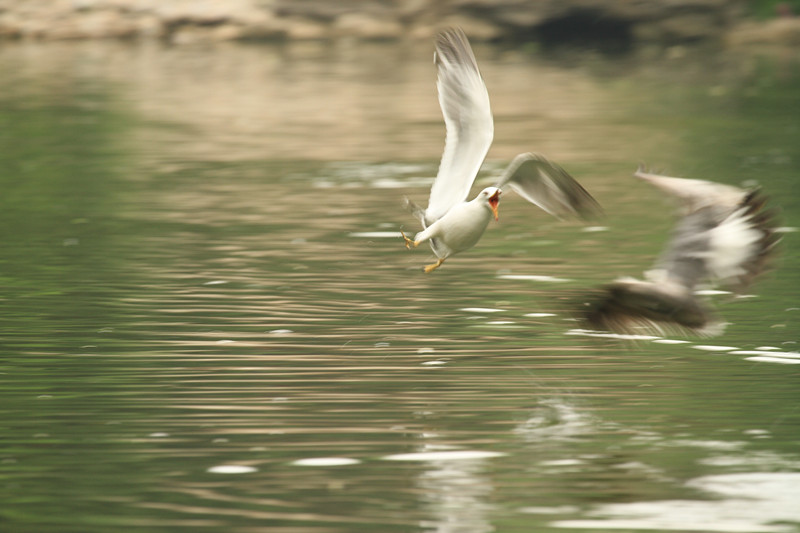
(724, 237)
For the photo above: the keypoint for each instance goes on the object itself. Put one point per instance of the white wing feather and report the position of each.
(468, 118)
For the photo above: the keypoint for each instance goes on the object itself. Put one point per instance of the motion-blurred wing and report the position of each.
(547, 185)
(725, 236)
(685, 259)
(468, 119)
(695, 194)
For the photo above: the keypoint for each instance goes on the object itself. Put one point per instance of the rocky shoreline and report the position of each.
(571, 21)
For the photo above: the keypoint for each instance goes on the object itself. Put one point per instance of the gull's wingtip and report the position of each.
(448, 35)
(448, 31)
(646, 173)
(452, 46)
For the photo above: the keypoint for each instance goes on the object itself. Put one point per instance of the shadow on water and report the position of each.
(210, 322)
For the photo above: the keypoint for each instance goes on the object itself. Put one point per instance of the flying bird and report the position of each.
(451, 224)
(725, 237)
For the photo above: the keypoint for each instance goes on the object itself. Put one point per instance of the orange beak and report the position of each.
(494, 200)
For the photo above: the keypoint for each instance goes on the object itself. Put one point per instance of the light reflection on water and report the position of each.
(235, 339)
(752, 502)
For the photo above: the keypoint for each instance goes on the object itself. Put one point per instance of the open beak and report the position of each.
(494, 200)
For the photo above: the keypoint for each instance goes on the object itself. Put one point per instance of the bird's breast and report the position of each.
(463, 226)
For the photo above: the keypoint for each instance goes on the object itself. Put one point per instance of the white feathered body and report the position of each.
(459, 229)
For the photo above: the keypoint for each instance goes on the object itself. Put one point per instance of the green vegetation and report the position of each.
(765, 9)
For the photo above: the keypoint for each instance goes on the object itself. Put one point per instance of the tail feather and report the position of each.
(415, 210)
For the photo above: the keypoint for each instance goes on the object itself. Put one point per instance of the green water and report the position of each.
(199, 269)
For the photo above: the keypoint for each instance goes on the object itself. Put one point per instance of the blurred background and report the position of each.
(210, 322)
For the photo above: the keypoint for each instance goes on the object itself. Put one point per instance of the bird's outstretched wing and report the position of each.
(725, 236)
(550, 187)
(694, 194)
(468, 119)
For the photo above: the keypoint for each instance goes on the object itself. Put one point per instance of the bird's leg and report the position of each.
(430, 268)
(409, 242)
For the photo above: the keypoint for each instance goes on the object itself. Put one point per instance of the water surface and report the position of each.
(211, 324)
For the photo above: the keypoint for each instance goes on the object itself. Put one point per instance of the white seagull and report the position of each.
(450, 223)
(725, 237)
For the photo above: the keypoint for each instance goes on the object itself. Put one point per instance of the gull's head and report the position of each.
(490, 196)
